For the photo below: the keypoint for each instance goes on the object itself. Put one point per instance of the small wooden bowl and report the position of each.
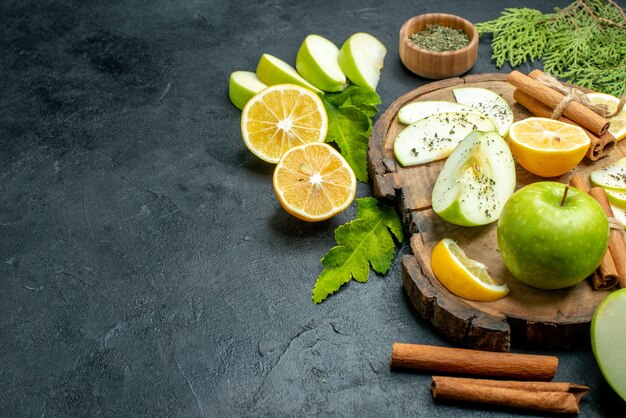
(438, 65)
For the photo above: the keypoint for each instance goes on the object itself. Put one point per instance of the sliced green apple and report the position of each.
(242, 85)
(475, 181)
(616, 198)
(619, 213)
(488, 102)
(612, 176)
(608, 339)
(361, 59)
(412, 112)
(272, 70)
(435, 136)
(317, 62)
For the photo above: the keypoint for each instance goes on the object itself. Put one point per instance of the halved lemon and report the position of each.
(618, 122)
(314, 182)
(281, 117)
(464, 277)
(547, 147)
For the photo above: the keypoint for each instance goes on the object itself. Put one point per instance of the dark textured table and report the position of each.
(146, 267)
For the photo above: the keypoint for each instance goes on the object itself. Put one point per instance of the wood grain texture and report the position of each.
(527, 316)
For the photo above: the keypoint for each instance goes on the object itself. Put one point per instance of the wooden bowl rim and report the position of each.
(473, 43)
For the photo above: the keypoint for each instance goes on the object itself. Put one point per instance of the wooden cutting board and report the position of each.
(527, 317)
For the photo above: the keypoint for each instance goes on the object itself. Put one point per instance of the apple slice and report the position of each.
(272, 70)
(616, 198)
(361, 58)
(475, 181)
(242, 85)
(612, 176)
(412, 112)
(317, 62)
(608, 339)
(488, 102)
(435, 136)
(619, 213)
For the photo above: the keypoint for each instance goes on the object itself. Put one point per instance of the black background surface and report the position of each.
(146, 267)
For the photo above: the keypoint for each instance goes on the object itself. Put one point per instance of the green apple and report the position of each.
(435, 136)
(608, 339)
(361, 59)
(551, 236)
(612, 176)
(317, 62)
(272, 70)
(412, 112)
(488, 102)
(242, 85)
(475, 181)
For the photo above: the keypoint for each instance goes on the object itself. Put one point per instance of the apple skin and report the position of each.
(550, 246)
(326, 79)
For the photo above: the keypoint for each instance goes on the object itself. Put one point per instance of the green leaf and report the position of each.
(363, 99)
(367, 240)
(349, 124)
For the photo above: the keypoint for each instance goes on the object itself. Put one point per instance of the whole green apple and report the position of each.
(551, 236)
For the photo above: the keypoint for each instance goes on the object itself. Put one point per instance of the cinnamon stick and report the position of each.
(554, 397)
(617, 246)
(575, 111)
(599, 147)
(476, 362)
(606, 275)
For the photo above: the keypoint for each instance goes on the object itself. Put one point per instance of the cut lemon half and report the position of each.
(281, 117)
(314, 182)
(618, 122)
(547, 147)
(464, 277)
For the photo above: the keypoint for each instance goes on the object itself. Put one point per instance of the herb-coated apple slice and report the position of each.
(434, 137)
(415, 111)
(488, 102)
(608, 338)
(317, 61)
(616, 198)
(475, 181)
(611, 177)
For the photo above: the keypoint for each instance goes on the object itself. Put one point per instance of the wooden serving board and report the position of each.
(527, 316)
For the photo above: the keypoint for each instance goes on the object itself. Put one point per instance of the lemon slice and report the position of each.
(464, 277)
(281, 117)
(547, 147)
(313, 182)
(618, 122)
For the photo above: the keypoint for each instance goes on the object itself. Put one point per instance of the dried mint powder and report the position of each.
(439, 38)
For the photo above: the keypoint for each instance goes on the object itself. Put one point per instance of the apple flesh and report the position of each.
(551, 242)
(317, 61)
(611, 177)
(475, 181)
(272, 70)
(361, 59)
(435, 136)
(608, 339)
(489, 103)
(242, 86)
(412, 112)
